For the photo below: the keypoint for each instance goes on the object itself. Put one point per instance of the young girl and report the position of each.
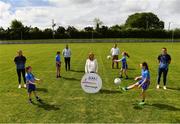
(124, 64)
(58, 65)
(144, 81)
(30, 81)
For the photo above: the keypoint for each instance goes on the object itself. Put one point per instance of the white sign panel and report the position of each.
(91, 83)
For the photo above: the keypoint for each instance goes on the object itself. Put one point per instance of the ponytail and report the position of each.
(126, 54)
(145, 65)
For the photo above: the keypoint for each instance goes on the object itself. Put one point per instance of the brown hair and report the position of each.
(90, 54)
(164, 48)
(145, 65)
(27, 68)
(58, 52)
(126, 54)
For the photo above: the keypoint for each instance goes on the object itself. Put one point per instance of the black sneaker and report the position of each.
(38, 99)
(127, 78)
(30, 101)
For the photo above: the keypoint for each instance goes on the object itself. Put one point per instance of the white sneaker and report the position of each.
(164, 88)
(19, 86)
(157, 86)
(24, 85)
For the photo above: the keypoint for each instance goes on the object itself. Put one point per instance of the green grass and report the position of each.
(66, 101)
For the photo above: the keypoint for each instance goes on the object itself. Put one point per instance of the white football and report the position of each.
(117, 81)
(108, 57)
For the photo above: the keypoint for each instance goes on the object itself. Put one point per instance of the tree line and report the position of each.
(138, 25)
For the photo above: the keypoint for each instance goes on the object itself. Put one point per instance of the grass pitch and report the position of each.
(65, 101)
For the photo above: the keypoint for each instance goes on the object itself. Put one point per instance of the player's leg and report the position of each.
(159, 77)
(143, 95)
(19, 77)
(113, 58)
(24, 78)
(144, 87)
(37, 97)
(29, 96)
(125, 72)
(121, 73)
(65, 63)
(131, 86)
(117, 63)
(69, 66)
(57, 71)
(165, 72)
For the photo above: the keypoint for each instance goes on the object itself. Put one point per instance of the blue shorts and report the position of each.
(145, 85)
(30, 88)
(124, 66)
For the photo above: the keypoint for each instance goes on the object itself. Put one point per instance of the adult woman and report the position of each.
(20, 62)
(164, 60)
(91, 64)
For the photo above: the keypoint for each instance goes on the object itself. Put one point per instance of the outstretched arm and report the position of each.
(30, 82)
(138, 78)
(118, 60)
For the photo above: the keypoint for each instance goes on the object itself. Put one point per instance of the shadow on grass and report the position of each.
(137, 106)
(42, 90)
(159, 106)
(173, 88)
(165, 107)
(131, 69)
(79, 71)
(47, 106)
(106, 91)
(72, 79)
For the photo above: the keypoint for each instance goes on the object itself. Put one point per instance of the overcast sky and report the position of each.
(80, 13)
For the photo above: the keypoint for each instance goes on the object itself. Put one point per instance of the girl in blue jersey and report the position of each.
(124, 67)
(31, 82)
(144, 81)
(58, 65)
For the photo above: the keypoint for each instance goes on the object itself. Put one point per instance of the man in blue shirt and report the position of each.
(164, 60)
(20, 62)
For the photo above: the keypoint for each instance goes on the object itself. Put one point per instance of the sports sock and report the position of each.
(126, 88)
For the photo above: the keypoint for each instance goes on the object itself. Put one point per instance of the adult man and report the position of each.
(20, 61)
(164, 60)
(115, 52)
(67, 57)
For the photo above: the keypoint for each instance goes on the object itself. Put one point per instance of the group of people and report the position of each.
(164, 59)
(67, 59)
(91, 66)
(26, 72)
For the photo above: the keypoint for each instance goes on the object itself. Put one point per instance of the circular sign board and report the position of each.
(91, 83)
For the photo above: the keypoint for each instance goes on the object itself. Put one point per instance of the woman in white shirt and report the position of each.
(91, 64)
